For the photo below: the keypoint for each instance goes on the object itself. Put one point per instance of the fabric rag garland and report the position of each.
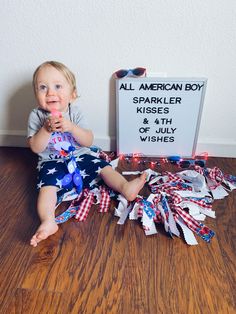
(81, 205)
(179, 201)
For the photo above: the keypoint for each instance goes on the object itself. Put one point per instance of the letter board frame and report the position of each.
(176, 103)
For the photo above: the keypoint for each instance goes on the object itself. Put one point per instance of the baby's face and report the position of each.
(53, 90)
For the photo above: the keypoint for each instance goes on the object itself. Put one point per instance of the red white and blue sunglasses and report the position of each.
(130, 73)
(188, 163)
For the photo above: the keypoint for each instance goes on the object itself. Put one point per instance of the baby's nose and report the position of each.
(50, 91)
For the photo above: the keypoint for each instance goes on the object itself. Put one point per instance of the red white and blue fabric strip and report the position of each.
(178, 201)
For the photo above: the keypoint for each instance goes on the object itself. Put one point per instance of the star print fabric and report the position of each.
(52, 172)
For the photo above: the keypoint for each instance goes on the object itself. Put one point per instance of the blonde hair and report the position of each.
(61, 68)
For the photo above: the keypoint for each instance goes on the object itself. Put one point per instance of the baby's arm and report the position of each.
(39, 141)
(83, 136)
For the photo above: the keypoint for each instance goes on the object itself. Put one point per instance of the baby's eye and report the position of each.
(58, 86)
(42, 88)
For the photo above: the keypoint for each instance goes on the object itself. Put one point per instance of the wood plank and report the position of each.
(102, 267)
(36, 302)
(226, 218)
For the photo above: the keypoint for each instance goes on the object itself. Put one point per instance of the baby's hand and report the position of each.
(66, 125)
(53, 124)
(58, 124)
(48, 125)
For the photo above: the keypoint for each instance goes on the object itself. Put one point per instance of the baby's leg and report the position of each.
(46, 210)
(129, 189)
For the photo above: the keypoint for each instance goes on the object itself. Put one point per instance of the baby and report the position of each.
(55, 91)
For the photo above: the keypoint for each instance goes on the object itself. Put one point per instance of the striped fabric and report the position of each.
(85, 205)
(105, 200)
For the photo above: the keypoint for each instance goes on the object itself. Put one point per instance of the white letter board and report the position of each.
(159, 116)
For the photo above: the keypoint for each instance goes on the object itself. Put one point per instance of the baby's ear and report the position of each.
(74, 95)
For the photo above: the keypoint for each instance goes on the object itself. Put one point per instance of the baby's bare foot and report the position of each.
(46, 229)
(132, 188)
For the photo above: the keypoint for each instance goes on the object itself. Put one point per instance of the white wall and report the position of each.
(183, 38)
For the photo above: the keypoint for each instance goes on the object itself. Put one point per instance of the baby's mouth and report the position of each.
(52, 102)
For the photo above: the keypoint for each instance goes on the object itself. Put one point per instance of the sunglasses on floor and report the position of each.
(130, 73)
(188, 163)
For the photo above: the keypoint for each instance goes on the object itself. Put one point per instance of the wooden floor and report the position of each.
(98, 266)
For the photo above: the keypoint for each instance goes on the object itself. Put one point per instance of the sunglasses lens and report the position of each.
(121, 73)
(184, 164)
(200, 163)
(138, 71)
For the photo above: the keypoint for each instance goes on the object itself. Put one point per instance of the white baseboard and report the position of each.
(106, 143)
(215, 148)
(16, 138)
